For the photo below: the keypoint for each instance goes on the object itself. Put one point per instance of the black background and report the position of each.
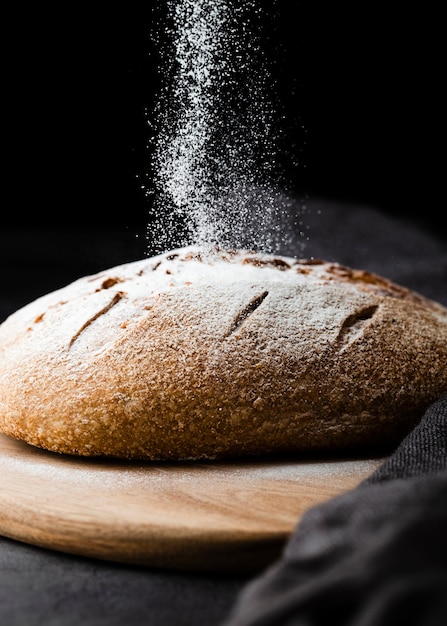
(359, 84)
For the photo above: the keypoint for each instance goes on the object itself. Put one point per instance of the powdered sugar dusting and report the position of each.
(215, 165)
(227, 286)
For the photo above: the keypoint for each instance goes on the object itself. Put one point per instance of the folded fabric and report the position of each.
(375, 556)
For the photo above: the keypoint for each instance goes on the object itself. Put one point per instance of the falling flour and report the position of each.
(215, 176)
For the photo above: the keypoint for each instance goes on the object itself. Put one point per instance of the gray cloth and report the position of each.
(375, 556)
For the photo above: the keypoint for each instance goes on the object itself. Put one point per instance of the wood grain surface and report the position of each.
(207, 516)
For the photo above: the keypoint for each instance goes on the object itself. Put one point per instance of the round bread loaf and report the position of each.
(205, 355)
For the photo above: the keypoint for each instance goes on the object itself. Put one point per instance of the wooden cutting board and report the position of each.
(216, 516)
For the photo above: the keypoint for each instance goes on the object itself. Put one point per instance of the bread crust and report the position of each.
(207, 355)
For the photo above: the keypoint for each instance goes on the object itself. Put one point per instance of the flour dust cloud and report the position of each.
(214, 168)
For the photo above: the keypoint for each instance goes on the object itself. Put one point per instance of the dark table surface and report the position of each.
(39, 586)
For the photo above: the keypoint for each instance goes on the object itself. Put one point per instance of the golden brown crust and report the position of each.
(192, 355)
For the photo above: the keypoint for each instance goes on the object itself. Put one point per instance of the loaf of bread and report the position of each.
(197, 354)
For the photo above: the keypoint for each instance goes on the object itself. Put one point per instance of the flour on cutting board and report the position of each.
(115, 475)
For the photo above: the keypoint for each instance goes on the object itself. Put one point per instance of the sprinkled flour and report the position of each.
(214, 161)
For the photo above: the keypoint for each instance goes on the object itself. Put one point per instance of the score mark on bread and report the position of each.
(115, 299)
(248, 310)
(197, 354)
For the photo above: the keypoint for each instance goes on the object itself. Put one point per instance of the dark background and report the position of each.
(359, 86)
